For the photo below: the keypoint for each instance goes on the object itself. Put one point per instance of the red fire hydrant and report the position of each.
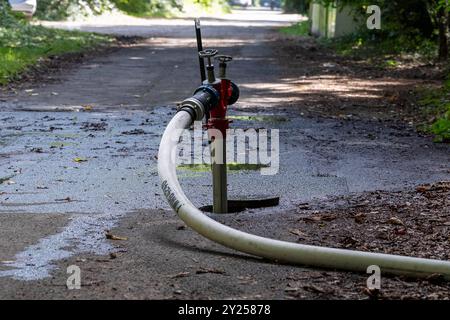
(217, 125)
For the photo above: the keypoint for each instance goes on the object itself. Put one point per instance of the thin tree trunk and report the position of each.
(443, 33)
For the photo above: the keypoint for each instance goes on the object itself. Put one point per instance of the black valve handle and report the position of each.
(208, 54)
(201, 62)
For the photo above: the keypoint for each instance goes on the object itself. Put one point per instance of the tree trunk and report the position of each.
(443, 33)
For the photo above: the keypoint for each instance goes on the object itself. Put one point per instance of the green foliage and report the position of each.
(441, 128)
(436, 107)
(167, 8)
(365, 44)
(62, 9)
(407, 25)
(143, 8)
(298, 29)
(300, 6)
(7, 18)
(22, 45)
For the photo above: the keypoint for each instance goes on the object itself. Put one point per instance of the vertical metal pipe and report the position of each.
(219, 173)
(198, 34)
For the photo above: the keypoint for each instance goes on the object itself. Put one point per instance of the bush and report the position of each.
(63, 9)
(144, 8)
(7, 18)
(148, 7)
(23, 45)
(441, 128)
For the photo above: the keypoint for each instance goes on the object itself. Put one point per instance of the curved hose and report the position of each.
(282, 251)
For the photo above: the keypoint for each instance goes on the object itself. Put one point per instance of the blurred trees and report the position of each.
(61, 9)
(406, 18)
(300, 6)
(7, 18)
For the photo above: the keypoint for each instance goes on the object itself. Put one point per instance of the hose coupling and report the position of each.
(205, 98)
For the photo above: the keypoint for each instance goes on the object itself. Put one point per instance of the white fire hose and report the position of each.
(276, 250)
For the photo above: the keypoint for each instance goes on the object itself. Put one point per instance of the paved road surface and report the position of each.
(78, 157)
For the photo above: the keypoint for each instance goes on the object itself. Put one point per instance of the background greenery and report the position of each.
(23, 45)
(62, 9)
(416, 28)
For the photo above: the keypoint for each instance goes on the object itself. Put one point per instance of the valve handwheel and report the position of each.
(223, 58)
(208, 54)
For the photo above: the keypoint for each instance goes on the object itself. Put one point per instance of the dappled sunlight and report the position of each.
(167, 43)
(345, 87)
(118, 23)
(319, 89)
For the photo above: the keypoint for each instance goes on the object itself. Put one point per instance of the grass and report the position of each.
(386, 52)
(298, 29)
(366, 44)
(436, 107)
(23, 46)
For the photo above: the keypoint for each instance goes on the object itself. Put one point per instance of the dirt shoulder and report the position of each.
(162, 259)
(343, 87)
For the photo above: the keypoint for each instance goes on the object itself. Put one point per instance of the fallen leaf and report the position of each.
(396, 221)
(360, 217)
(313, 288)
(298, 232)
(324, 217)
(80, 160)
(372, 293)
(110, 236)
(423, 188)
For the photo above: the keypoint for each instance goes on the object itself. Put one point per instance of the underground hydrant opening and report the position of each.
(240, 205)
